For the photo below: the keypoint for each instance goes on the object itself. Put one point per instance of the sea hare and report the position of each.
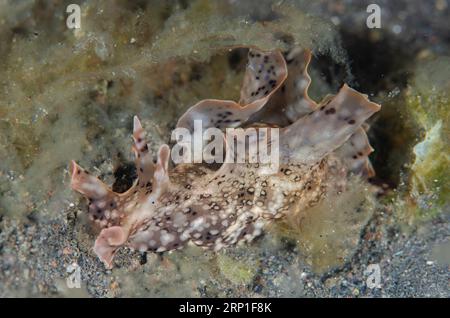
(320, 145)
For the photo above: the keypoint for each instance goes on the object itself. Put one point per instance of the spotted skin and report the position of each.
(167, 208)
(265, 73)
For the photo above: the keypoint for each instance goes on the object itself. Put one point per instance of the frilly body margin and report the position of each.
(274, 91)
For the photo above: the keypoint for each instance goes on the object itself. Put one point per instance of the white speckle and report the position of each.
(335, 20)
(218, 247)
(302, 84)
(129, 207)
(394, 92)
(184, 236)
(197, 223)
(166, 238)
(101, 204)
(179, 219)
(397, 29)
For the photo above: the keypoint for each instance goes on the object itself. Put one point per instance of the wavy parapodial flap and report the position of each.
(108, 242)
(291, 101)
(354, 154)
(118, 213)
(265, 73)
(327, 128)
(102, 200)
(298, 103)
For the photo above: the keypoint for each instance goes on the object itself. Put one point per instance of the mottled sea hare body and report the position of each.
(319, 146)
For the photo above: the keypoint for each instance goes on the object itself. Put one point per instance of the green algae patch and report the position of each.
(207, 26)
(181, 274)
(431, 168)
(239, 272)
(428, 104)
(413, 143)
(328, 234)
